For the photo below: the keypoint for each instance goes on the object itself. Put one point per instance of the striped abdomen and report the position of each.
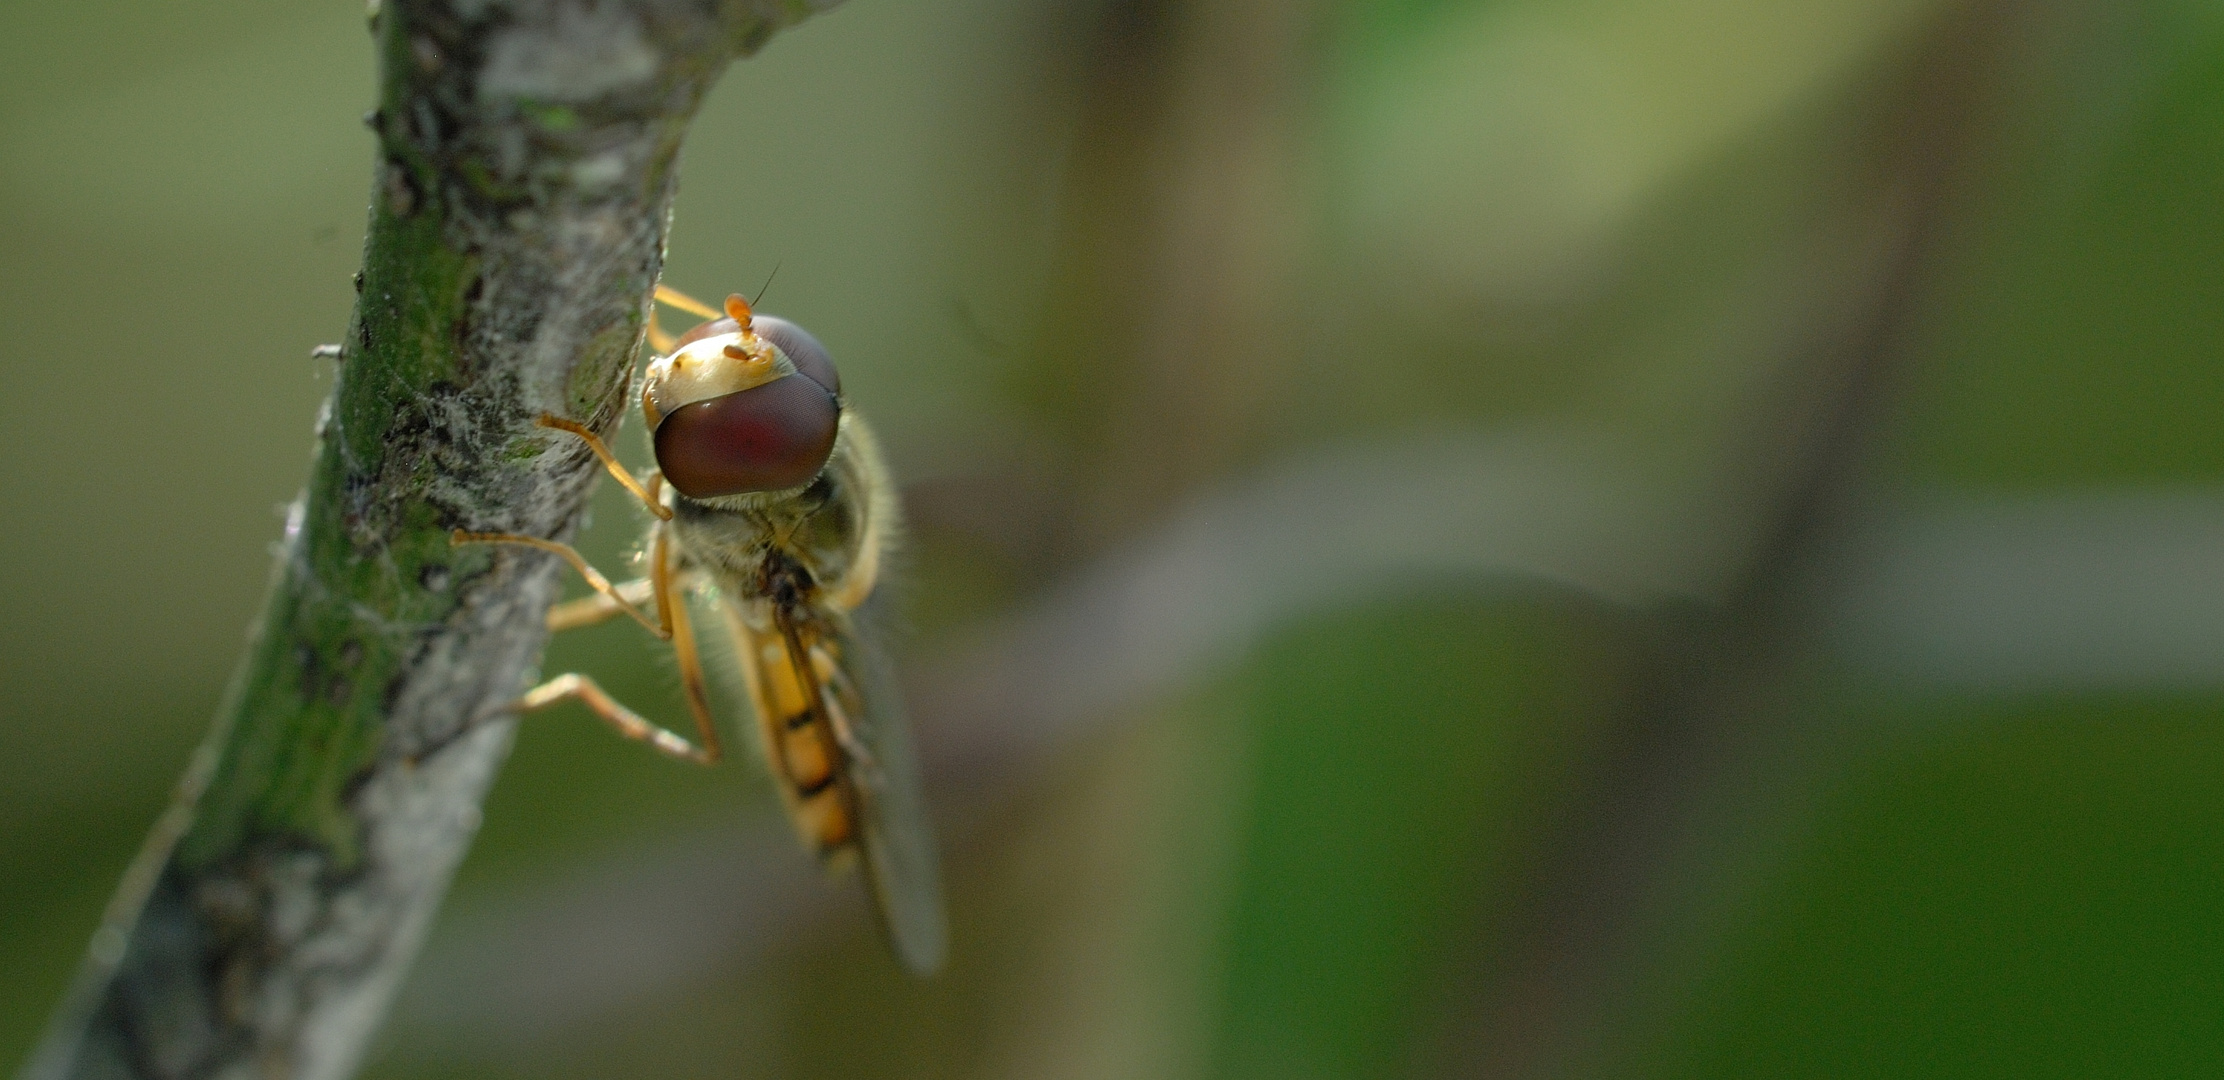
(802, 713)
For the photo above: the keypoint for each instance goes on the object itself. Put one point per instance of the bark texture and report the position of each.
(525, 175)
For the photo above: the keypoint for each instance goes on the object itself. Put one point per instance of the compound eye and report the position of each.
(809, 356)
(765, 438)
(713, 327)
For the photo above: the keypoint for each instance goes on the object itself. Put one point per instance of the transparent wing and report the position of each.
(883, 818)
(896, 841)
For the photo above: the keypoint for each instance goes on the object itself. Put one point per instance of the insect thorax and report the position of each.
(807, 537)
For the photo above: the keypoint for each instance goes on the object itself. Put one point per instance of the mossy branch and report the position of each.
(526, 170)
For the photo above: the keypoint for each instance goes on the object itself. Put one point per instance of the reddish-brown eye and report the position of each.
(809, 356)
(713, 327)
(765, 438)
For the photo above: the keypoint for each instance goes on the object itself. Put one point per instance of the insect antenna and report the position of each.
(767, 285)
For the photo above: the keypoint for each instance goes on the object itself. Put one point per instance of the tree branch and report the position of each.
(527, 164)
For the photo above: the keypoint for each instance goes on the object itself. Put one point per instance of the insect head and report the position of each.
(742, 404)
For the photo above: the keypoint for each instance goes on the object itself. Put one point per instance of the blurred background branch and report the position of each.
(1653, 831)
(527, 163)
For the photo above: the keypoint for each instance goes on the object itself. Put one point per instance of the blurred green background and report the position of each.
(1652, 538)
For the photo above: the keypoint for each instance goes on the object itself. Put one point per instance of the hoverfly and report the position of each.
(773, 507)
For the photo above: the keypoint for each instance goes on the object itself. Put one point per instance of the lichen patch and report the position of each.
(583, 52)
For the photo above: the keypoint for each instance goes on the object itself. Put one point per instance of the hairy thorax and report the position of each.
(817, 527)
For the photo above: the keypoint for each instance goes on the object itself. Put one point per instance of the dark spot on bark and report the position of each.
(391, 694)
(351, 654)
(466, 326)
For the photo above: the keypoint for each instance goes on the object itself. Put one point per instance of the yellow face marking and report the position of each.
(709, 367)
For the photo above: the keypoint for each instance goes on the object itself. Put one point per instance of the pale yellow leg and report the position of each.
(854, 749)
(608, 602)
(663, 584)
(665, 294)
(610, 461)
(580, 688)
(834, 680)
(597, 609)
(674, 611)
(661, 339)
(810, 667)
(594, 577)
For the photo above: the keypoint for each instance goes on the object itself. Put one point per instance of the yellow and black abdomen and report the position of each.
(802, 715)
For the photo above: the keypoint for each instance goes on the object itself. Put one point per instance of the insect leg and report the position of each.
(811, 665)
(665, 294)
(674, 611)
(610, 461)
(597, 609)
(580, 688)
(839, 693)
(661, 339)
(594, 577)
